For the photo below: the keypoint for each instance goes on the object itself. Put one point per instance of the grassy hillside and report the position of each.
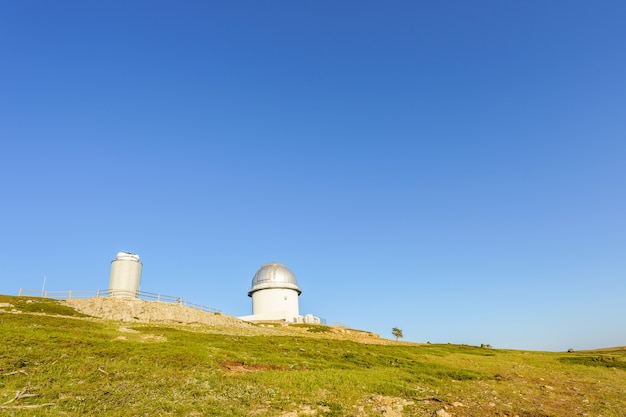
(56, 362)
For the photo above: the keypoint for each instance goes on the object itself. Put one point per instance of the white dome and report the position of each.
(127, 256)
(274, 275)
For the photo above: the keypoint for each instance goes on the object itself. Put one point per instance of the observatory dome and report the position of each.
(127, 256)
(274, 275)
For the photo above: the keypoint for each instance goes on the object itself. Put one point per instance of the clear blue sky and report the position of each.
(456, 169)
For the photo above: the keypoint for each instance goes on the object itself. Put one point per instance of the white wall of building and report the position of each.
(274, 301)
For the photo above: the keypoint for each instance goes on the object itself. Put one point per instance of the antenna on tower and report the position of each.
(43, 286)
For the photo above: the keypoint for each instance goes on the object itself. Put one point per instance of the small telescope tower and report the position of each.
(125, 275)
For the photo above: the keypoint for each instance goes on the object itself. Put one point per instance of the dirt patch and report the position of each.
(384, 405)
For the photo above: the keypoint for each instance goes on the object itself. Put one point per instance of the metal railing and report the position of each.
(142, 295)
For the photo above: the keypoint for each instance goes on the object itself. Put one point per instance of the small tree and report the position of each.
(397, 333)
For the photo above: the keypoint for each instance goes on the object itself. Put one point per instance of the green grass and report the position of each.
(85, 366)
(38, 305)
(606, 361)
(314, 328)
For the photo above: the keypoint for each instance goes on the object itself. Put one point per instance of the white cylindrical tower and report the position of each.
(125, 275)
(275, 293)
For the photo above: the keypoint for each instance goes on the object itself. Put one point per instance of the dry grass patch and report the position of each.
(239, 367)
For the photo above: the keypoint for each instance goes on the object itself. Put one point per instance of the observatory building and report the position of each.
(274, 294)
(125, 275)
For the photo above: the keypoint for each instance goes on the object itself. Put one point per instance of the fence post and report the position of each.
(19, 294)
(69, 295)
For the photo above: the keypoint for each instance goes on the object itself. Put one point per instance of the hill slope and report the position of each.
(57, 361)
